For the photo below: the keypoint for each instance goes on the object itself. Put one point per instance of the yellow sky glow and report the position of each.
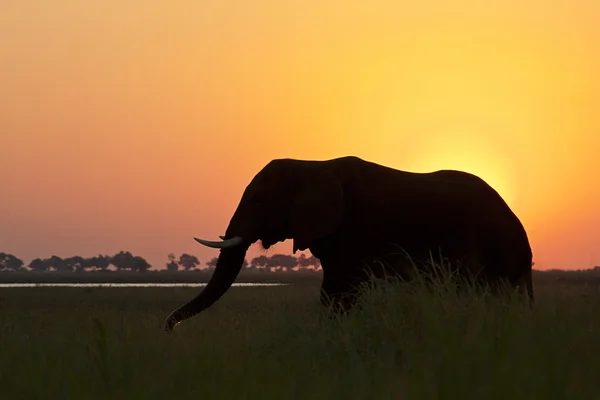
(135, 125)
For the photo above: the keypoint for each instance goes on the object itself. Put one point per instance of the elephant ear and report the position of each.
(317, 209)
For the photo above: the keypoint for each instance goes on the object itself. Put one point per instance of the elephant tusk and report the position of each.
(225, 244)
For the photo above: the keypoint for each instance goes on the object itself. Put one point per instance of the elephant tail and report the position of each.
(526, 280)
(529, 285)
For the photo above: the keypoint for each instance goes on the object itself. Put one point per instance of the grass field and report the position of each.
(276, 343)
(161, 276)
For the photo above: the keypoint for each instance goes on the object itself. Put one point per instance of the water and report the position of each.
(127, 285)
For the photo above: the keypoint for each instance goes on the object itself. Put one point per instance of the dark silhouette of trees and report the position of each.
(125, 261)
(8, 262)
(57, 263)
(140, 264)
(98, 262)
(283, 262)
(260, 261)
(212, 263)
(305, 262)
(38, 265)
(122, 260)
(75, 263)
(172, 265)
(188, 261)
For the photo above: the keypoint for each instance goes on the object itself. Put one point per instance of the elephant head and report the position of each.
(287, 199)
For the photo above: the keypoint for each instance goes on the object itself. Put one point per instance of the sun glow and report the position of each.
(469, 153)
(157, 116)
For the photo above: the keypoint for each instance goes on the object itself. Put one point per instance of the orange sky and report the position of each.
(135, 125)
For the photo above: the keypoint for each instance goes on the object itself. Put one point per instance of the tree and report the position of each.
(305, 262)
(8, 262)
(140, 264)
(315, 261)
(75, 263)
(172, 265)
(260, 261)
(212, 263)
(282, 261)
(188, 261)
(98, 262)
(38, 265)
(123, 260)
(57, 263)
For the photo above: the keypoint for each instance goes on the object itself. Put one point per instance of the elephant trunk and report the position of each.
(228, 267)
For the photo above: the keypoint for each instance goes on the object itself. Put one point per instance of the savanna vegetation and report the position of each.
(406, 342)
(125, 261)
(124, 267)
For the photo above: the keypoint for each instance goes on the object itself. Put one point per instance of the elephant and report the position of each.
(355, 215)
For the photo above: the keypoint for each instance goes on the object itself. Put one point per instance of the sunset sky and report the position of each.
(136, 125)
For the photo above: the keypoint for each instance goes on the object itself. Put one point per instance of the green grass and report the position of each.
(276, 343)
(161, 276)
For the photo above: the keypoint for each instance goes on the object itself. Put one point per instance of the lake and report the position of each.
(128, 285)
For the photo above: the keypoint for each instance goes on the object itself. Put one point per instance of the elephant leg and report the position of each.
(339, 299)
(339, 286)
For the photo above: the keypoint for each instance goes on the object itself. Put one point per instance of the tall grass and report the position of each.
(403, 342)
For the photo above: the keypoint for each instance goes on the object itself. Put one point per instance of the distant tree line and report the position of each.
(122, 261)
(276, 262)
(125, 261)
